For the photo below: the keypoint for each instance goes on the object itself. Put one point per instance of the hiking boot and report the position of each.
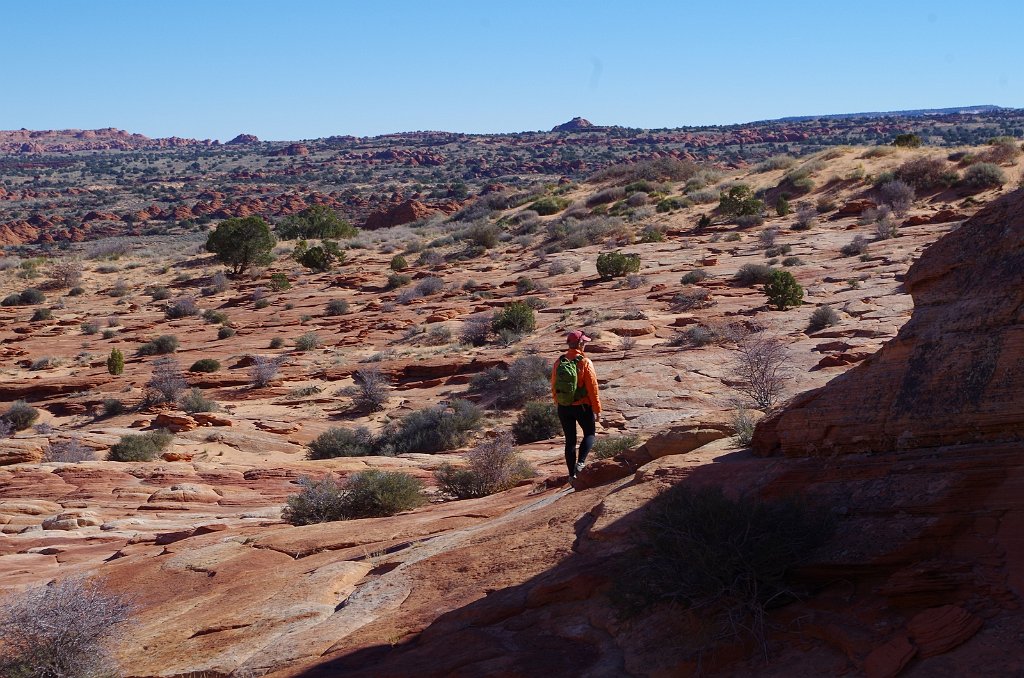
(579, 467)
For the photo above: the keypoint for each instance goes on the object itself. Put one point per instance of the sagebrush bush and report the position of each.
(690, 299)
(527, 378)
(342, 442)
(822, 317)
(182, 308)
(432, 429)
(166, 382)
(225, 332)
(20, 415)
(806, 218)
(112, 407)
(307, 342)
(68, 628)
(336, 307)
(213, 317)
(372, 391)
(616, 264)
(898, 195)
(42, 314)
(926, 174)
(753, 274)
(476, 330)
(549, 205)
(162, 345)
(205, 365)
(537, 421)
(194, 401)
(694, 276)
(140, 447)
(369, 494)
(856, 247)
(981, 176)
(263, 370)
(398, 263)
(68, 451)
(494, 466)
(727, 560)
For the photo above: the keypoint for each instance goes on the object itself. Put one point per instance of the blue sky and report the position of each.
(312, 68)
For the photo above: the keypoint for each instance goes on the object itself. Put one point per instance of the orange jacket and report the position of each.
(587, 378)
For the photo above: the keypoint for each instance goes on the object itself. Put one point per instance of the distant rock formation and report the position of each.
(952, 375)
(577, 124)
(292, 149)
(244, 139)
(403, 213)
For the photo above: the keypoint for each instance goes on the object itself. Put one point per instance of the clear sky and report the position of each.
(299, 69)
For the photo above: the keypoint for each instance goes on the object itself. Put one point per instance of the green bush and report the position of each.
(195, 401)
(76, 291)
(89, 327)
(242, 243)
(607, 447)
(537, 421)
(112, 407)
(166, 343)
(276, 342)
(433, 429)
(783, 291)
(42, 314)
(738, 201)
(369, 494)
(616, 264)
(322, 257)
(279, 282)
(225, 332)
(398, 263)
(494, 466)
(693, 277)
(27, 297)
(342, 442)
(317, 221)
(549, 205)
(140, 447)
(516, 317)
(907, 140)
(205, 365)
(782, 207)
(726, 560)
(396, 280)
(20, 415)
(214, 317)
(115, 362)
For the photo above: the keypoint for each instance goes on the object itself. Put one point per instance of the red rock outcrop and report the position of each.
(952, 375)
(404, 213)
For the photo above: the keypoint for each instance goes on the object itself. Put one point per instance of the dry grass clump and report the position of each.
(494, 466)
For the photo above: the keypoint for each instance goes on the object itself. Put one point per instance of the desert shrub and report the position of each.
(89, 327)
(792, 261)
(856, 247)
(437, 335)
(767, 237)
(195, 401)
(213, 317)
(1002, 151)
(778, 251)
(140, 447)
(11, 300)
(738, 201)
(977, 177)
(822, 317)
(694, 276)
(68, 628)
(782, 206)
(278, 283)
(336, 307)
(372, 390)
(526, 285)
(76, 291)
(160, 293)
(225, 332)
(475, 330)
(432, 429)
(907, 140)
(318, 501)
(698, 336)
(690, 299)
(219, 282)
(482, 234)
(398, 263)
(537, 421)
(166, 382)
(762, 368)
(743, 422)
(557, 268)
(429, 285)
(753, 274)
(494, 466)
(322, 257)
(396, 280)
(749, 220)
(115, 362)
(165, 343)
(430, 257)
(606, 447)
(276, 342)
(926, 174)
(68, 451)
(205, 365)
(316, 221)
(655, 169)
(824, 205)
(515, 317)
(806, 218)
(549, 205)
(65, 273)
(616, 264)
(726, 560)
(375, 494)
(20, 415)
(606, 196)
(112, 407)
(783, 291)
(798, 181)
(527, 378)
(886, 228)
(342, 442)
(182, 308)
(263, 370)
(242, 243)
(27, 297)
(776, 162)
(307, 342)
(42, 314)
(898, 195)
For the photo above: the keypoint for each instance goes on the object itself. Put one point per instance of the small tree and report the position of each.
(783, 291)
(762, 363)
(317, 221)
(739, 200)
(115, 362)
(66, 273)
(242, 242)
(322, 257)
(516, 317)
(616, 264)
(907, 140)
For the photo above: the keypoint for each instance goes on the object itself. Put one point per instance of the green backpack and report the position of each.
(567, 387)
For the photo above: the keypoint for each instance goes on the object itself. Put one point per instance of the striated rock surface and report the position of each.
(952, 375)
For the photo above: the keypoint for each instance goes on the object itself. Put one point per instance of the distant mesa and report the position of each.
(575, 125)
(244, 139)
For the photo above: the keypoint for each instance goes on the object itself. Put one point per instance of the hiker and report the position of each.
(574, 390)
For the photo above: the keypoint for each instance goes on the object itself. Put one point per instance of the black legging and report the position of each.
(569, 416)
